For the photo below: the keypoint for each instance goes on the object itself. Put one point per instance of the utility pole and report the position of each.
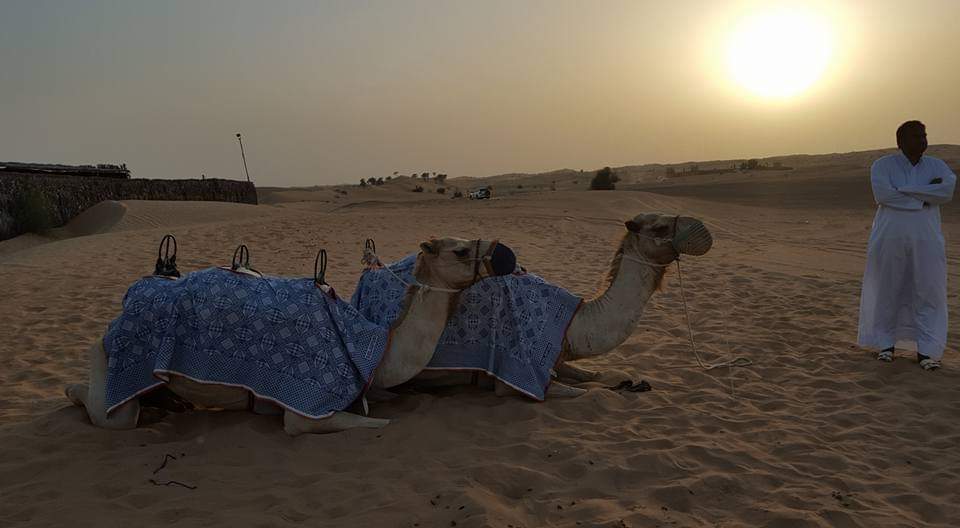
(244, 157)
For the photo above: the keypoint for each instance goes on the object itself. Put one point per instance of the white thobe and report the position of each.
(904, 296)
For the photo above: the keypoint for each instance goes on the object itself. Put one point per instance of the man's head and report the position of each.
(912, 139)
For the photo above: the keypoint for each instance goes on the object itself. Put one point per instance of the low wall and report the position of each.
(64, 197)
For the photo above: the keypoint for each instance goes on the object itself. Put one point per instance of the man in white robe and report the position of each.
(904, 296)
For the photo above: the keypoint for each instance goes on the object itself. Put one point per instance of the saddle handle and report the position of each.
(241, 259)
(320, 268)
(369, 259)
(166, 265)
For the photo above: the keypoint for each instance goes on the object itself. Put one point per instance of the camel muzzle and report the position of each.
(498, 261)
(502, 261)
(694, 239)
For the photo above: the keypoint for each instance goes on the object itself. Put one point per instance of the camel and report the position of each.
(651, 243)
(443, 268)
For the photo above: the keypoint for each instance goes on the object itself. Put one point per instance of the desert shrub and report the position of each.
(441, 190)
(418, 189)
(605, 180)
(32, 212)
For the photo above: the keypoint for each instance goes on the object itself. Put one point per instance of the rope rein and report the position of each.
(739, 361)
(425, 287)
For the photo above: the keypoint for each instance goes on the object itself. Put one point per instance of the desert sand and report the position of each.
(813, 433)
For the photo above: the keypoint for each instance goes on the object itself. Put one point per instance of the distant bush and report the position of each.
(418, 189)
(458, 194)
(441, 190)
(32, 212)
(605, 180)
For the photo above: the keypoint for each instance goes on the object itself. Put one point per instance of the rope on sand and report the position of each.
(738, 361)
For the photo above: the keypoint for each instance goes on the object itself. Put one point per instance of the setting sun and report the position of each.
(779, 54)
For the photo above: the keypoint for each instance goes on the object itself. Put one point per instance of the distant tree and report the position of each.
(380, 181)
(605, 180)
(390, 177)
(425, 176)
(441, 178)
(753, 163)
(363, 183)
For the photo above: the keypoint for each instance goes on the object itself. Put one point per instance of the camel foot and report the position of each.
(377, 395)
(295, 425)
(559, 390)
(76, 392)
(572, 372)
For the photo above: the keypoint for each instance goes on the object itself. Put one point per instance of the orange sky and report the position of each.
(328, 92)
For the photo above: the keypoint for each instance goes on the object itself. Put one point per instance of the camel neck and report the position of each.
(605, 322)
(414, 336)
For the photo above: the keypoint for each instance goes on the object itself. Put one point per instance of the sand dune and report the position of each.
(814, 433)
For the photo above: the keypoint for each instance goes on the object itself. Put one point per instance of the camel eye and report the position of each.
(461, 252)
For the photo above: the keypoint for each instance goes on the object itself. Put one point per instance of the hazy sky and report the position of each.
(328, 92)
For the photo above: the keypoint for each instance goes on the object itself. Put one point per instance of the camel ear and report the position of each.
(431, 247)
(632, 226)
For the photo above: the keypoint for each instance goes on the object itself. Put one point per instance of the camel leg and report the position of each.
(559, 390)
(502, 389)
(294, 424)
(555, 390)
(439, 378)
(567, 371)
(92, 396)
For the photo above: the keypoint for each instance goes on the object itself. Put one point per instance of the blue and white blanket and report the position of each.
(283, 339)
(511, 327)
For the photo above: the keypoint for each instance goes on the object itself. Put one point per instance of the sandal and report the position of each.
(629, 386)
(885, 355)
(927, 363)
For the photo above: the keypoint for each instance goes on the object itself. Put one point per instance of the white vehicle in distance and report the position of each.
(482, 193)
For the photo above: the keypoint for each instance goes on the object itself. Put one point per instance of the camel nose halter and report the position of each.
(694, 239)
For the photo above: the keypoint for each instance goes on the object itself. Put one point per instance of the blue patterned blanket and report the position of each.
(283, 339)
(511, 327)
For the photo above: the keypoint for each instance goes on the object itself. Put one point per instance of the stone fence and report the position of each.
(64, 197)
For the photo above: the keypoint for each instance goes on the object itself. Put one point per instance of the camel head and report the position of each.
(457, 263)
(662, 238)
